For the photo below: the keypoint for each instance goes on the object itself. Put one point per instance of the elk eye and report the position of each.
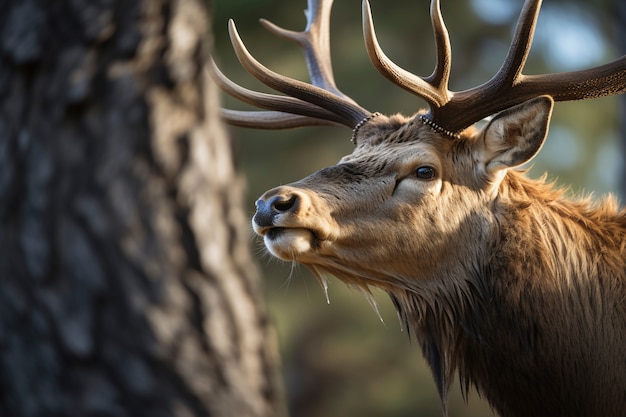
(425, 173)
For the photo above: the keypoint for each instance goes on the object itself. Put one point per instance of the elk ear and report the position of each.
(514, 136)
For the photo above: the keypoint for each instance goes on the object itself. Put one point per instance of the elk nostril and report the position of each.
(268, 209)
(281, 204)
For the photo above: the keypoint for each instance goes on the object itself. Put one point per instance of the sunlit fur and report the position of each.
(498, 276)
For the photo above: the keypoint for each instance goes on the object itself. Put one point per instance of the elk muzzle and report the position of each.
(293, 222)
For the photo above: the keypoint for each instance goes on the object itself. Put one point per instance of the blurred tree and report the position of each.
(126, 283)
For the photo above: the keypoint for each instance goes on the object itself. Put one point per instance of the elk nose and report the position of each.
(268, 209)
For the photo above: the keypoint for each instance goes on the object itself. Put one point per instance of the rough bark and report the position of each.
(126, 284)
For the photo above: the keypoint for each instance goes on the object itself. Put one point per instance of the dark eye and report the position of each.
(425, 173)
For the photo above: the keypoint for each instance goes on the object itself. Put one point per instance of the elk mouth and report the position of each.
(293, 222)
(274, 232)
(291, 243)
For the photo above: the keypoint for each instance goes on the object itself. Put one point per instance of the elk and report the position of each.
(500, 278)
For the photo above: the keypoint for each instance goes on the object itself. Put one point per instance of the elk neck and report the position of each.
(539, 285)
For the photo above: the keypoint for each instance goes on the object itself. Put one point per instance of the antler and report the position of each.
(454, 111)
(318, 103)
(321, 103)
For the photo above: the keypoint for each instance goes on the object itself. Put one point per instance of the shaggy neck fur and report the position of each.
(529, 318)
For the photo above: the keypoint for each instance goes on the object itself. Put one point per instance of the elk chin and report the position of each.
(289, 244)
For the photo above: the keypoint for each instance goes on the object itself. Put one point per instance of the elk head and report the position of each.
(391, 213)
(411, 209)
(392, 210)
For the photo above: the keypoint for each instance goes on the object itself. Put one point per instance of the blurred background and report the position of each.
(339, 359)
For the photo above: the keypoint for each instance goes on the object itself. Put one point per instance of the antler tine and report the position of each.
(441, 74)
(349, 112)
(604, 80)
(522, 41)
(298, 108)
(510, 87)
(433, 89)
(320, 100)
(271, 119)
(492, 92)
(315, 41)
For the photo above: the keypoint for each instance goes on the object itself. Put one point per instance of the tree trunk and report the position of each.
(126, 284)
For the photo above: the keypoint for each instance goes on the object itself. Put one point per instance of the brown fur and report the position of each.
(500, 277)
(538, 321)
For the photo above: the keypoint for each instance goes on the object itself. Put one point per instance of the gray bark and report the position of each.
(126, 283)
